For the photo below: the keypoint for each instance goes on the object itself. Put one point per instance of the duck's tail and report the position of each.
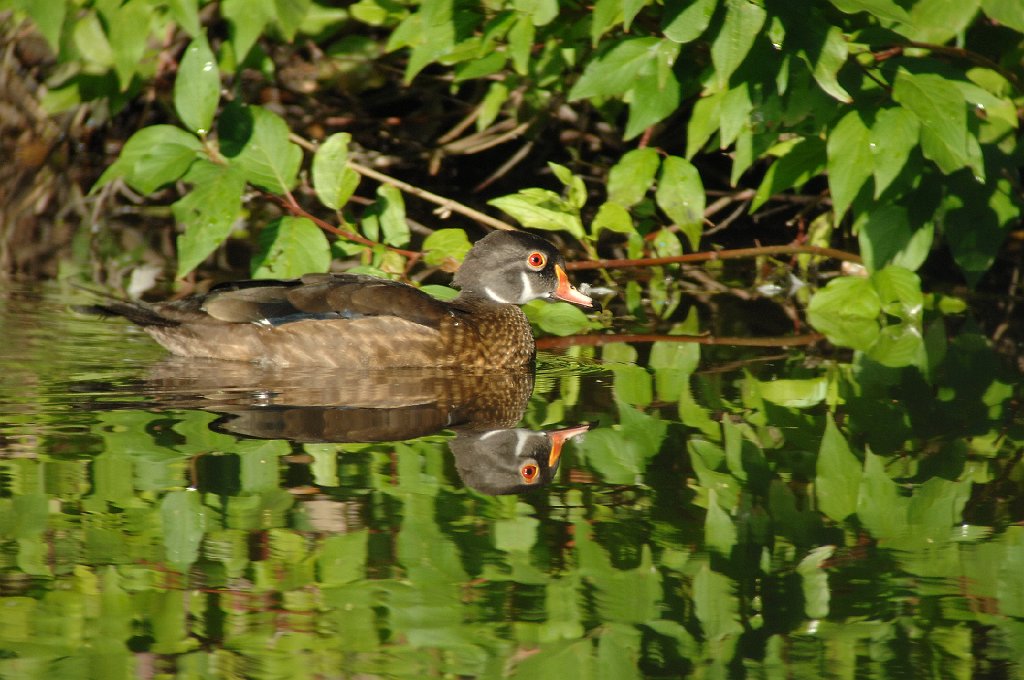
(137, 312)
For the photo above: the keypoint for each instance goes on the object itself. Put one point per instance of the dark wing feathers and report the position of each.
(320, 295)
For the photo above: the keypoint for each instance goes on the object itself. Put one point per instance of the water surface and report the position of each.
(729, 513)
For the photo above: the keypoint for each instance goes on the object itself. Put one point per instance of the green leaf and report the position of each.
(256, 142)
(576, 191)
(887, 237)
(186, 13)
(976, 220)
(613, 217)
(686, 21)
(1007, 12)
(831, 57)
(208, 212)
(128, 31)
(557, 318)
(541, 209)
(680, 194)
(794, 393)
(886, 10)
(837, 475)
(899, 290)
(91, 41)
(656, 91)
(814, 582)
(734, 115)
(333, 180)
(849, 161)
(881, 509)
(541, 12)
(290, 247)
(716, 605)
(152, 157)
(444, 244)
(719, 530)
(614, 72)
(938, 21)
(430, 33)
(247, 19)
(743, 22)
(846, 311)
(48, 16)
(184, 523)
(630, 179)
(606, 14)
(899, 345)
(797, 163)
(940, 107)
(704, 121)
(197, 86)
(289, 15)
(893, 136)
(392, 215)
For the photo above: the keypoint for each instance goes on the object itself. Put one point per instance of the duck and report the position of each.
(356, 321)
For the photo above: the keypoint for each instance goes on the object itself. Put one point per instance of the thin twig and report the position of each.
(446, 204)
(297, 210)
(709, 256)
(591, 340)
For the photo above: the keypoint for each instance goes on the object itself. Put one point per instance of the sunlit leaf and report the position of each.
(940, 107)
(631, 178)
(838, 473)
(541, 209)
(846, 311)
(291, 247)
(814, 582)
(743, 22)
(715, 604)
(849, 160)
(153, 157)
(128, 32)
(894, 134)
(333, 180)
(197, 86)
(184, 523)
(796, 164)
(247, 19)
(886, 238)
(444, 244)
(680, 194)
(256, 142)
(685, 21)
(208, 212)
(883, 9)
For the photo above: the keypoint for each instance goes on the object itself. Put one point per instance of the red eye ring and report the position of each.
(536, 260)
(529, 472)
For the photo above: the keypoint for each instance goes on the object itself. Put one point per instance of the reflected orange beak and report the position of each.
(566, 291)
(558, 438)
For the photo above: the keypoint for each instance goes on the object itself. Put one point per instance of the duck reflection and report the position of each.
(314, 405)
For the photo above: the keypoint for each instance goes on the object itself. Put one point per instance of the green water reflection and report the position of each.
(805, 517)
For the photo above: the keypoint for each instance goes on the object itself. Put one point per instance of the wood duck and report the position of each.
(356, 321)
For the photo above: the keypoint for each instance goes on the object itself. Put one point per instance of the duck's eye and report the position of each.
(536, 260)
(529, 472)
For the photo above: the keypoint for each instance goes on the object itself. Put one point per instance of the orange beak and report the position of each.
(558, 438)
(566, 291)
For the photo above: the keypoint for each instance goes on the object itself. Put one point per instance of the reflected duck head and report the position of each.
(510, 461)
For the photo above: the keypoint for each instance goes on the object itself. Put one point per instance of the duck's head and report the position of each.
(513, 267)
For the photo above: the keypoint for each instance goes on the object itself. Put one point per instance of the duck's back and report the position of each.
(342, 320)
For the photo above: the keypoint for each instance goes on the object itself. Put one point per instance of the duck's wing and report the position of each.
(314, 296)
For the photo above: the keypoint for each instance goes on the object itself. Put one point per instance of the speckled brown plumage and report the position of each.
(357, 322)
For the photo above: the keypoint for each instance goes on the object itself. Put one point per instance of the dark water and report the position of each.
(729, 513)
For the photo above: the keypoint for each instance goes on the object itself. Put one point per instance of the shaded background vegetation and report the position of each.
(881, 127)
